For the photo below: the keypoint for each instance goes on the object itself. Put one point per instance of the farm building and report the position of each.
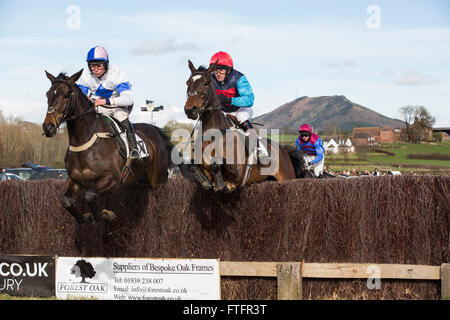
(368, 136)
(389, 135)
(342, 146)
(444, 131)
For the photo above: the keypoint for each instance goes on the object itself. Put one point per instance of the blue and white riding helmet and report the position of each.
(98, 54)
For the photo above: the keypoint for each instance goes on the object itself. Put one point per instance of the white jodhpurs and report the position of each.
(318, 167)
(118, 113)
(243, 114)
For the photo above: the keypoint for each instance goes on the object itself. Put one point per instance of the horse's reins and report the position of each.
(249, 166)
(68, 108)
(66, 118)
(196, 94)
(207, 94)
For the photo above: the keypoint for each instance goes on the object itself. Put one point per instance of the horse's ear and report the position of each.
(50, 76)
(75, 77)
(213, 66)
(191, 66)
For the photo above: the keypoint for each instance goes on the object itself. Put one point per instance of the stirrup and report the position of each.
(134, 155)
(262, 156)
(262, 153)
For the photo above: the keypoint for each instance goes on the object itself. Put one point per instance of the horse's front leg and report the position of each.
(219, 183)
(67, 202)
(91, 199)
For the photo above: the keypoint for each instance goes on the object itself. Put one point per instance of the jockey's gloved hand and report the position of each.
(309, 163)
(224, 100)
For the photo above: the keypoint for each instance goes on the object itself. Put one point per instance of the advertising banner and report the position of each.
(27, 275)
(137, 279)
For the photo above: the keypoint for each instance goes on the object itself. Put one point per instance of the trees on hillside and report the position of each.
(418, 123)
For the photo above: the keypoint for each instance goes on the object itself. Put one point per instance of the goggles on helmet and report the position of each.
(221, 68)
(305, 134)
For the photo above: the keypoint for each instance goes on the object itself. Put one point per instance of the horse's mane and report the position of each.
(202, 68)
(63, 76)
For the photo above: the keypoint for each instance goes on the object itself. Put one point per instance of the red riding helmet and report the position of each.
(224, 59)
(305, 127)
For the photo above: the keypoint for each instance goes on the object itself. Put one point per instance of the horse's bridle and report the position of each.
(68, 108)
(202, 93)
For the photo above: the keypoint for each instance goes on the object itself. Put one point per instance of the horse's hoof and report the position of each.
(108, 215)
(231, 187)
(88, 218)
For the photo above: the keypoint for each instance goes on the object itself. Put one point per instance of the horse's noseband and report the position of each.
(194, 92)
(67, 108)
(207, 94)
(50, 110)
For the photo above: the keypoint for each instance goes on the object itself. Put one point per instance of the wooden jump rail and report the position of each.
(289, 274)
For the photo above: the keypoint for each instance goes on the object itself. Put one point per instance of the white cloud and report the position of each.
(411, 78)
(33, 111)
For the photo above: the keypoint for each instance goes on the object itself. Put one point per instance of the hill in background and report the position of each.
(324, 112)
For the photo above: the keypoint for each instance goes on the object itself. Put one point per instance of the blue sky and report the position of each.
(287, 49)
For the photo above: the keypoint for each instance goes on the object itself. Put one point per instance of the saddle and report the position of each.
(232, 121)
(234, 125)
(118, 133)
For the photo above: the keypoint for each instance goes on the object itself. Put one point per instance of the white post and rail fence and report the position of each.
(290, 274)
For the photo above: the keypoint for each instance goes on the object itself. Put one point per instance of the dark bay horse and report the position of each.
(97, 169)
(226, 172)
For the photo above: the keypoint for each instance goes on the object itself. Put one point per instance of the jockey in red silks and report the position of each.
(236, 98)
(310, 146)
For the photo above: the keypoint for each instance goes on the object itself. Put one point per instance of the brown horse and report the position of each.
(98, 168)
(219, 169)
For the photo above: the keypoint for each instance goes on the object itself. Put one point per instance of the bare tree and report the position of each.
(22, 142)
(418, 123)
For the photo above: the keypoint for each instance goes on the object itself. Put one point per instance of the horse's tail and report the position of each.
(184, 168)
(297, 161)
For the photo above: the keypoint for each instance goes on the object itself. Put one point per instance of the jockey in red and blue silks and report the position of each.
(232, 87)
(310, 145)
(236, 97)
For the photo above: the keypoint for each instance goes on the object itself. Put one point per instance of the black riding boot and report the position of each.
(134, 153)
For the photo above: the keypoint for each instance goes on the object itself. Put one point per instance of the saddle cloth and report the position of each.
(122, 141)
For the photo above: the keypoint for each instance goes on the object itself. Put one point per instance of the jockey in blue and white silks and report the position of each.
(108, 86)
(113, 85)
